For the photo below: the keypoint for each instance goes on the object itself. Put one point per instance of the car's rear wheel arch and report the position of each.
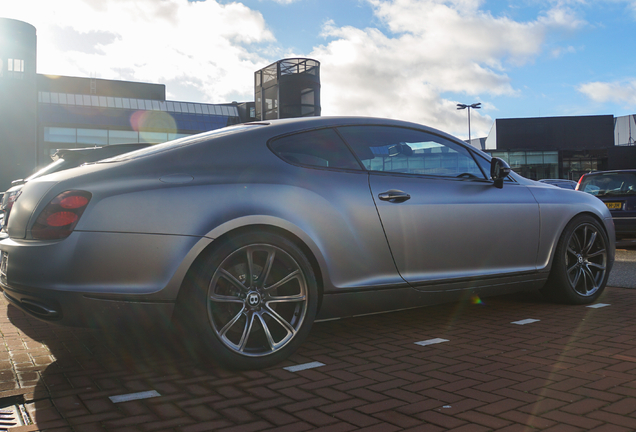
(273, 230)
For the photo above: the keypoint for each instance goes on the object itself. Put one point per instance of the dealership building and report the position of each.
(42, 113)
(563, 147)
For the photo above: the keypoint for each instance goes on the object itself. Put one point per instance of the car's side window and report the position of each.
(409, 151)
(317, 148)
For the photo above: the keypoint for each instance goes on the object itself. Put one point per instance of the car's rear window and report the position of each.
(609, 184)
(181, 142)
(318, 148)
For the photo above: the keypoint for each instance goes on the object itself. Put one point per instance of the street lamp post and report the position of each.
(464, 106)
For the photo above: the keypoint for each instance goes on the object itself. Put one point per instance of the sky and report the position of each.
(412, 60)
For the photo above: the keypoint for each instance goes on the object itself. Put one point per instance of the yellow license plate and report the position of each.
(614, 205)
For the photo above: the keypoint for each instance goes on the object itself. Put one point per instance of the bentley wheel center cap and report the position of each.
(580, 259)
(253, 299)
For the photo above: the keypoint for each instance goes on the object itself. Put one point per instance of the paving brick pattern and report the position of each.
(573, 370)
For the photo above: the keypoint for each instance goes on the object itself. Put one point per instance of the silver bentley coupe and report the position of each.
(244, 236)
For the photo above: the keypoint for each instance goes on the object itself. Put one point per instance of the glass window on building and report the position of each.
(174, 136)
(15, 68)
(60, 135)
(153, 137)
(122, 137)
(92, 136)
(535, 165)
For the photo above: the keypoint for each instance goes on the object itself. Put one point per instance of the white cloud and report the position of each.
(206, 49)
(560, 51)
(620, 92)
(433, 47)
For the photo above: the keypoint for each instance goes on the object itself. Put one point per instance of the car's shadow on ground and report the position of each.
(74, 371)
(67, 369)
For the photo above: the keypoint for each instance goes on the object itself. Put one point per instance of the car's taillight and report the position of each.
(7, 204)
(59, 217)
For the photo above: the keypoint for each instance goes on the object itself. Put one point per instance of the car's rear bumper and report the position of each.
(80, 310)
(97, 279)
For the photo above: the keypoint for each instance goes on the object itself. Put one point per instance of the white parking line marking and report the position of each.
(525, 321)
(305, 366)
(598, 305)
(134, 396)
(431, 341)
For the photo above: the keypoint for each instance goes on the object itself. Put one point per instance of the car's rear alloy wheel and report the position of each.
(260, 300)
(580, 268)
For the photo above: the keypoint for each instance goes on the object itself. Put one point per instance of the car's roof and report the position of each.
(267, 129)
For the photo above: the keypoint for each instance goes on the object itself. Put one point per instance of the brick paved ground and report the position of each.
(574, 369)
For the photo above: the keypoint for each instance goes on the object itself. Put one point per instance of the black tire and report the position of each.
(243, 321)
(580, 267)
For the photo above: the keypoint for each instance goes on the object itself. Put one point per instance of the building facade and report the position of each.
(40, 114)
(562, 147)
(287, 88)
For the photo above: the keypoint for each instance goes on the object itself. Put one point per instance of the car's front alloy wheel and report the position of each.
(580, 268)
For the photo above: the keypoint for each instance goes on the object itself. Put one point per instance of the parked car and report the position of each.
(63, 159)
(617, 189)
(244, 236)
(562, 183)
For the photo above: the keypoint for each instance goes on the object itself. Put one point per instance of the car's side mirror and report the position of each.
(499, 170)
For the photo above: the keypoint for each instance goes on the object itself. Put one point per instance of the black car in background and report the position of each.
(63, 159)
(617, 189)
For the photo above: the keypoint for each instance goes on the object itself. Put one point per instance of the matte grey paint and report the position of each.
(154, 211)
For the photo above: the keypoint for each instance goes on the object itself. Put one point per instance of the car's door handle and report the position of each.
(394, 195)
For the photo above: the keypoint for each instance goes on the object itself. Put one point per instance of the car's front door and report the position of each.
(444, 220)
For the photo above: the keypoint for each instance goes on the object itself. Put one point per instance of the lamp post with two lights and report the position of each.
(473, 106)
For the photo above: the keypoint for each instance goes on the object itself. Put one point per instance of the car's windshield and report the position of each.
(609, 184)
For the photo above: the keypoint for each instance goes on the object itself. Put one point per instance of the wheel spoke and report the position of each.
(571, 269)
(590, 243)
(577, 276)
(576, 248)
(283, 281)
(246, 332)
(268, 334)
(287, 299)
(230, 324)
(271, 255)
(597, 253)
(234, 281)
(249, 278)
(287, 326)
(225, 299)
(587, 272)
(598, 266)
